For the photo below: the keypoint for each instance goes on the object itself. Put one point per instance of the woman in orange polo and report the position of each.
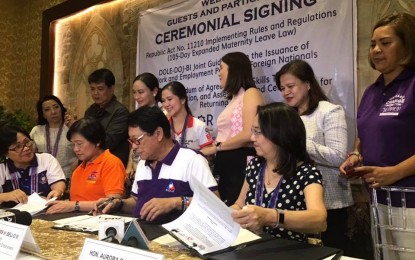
(101, 174)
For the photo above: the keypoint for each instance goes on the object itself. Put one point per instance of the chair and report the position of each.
(393, 223)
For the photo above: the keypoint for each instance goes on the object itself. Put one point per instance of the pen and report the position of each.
(102, 205)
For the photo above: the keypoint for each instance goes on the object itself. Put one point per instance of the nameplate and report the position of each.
(95, 249)
(14, 237)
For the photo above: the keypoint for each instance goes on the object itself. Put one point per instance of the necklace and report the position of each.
(268, 181)
(268, 173)
(259, 191)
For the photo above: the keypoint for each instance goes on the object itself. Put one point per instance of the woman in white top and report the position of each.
(233, 146)
(326, 131)
(186, 129)
(146, 93)
(50, 133)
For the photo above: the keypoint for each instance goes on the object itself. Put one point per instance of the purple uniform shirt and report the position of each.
(170, 178)
(386, 123)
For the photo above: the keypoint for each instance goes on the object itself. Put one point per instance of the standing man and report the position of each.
(109, 112)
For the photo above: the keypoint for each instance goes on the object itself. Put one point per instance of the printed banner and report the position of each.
(185, 40)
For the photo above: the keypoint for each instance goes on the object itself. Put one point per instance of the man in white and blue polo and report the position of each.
(162, 187)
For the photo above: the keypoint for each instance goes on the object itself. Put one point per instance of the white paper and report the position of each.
(87, 223)
(34, 205)
(207, 225)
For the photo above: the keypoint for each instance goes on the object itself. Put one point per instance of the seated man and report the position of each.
(161, 190)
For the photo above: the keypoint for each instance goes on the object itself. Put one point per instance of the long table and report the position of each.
(61, 244)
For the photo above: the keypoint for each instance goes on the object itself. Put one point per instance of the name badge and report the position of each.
(95, 249)
(14, 237)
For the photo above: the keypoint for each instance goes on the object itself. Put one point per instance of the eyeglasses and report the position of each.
(256, 131)
(136, 141)
(20, 146)
(77, 145)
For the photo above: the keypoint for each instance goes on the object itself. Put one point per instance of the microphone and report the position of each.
(111, 233)
(16, 216)
(111, 230)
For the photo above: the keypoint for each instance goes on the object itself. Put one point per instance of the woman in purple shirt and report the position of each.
(386, 117)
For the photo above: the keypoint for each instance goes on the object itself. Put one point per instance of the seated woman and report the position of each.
(189, 131)
(101, 174)
(282, 193)
(23, 171)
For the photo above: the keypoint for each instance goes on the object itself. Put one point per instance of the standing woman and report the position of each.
(25, 172)
(50, 133)
(146, 93)
(233, 145)
(146, 90)
(386, 117)
(326, 130)
(187, 130)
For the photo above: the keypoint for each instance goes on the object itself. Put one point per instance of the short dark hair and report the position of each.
(148, 119)
(151, 82)
(8, 136)
(90, 129)
(239, 73)
(303, 71)
(102, 76)
(403, 25)
(282, 125)
(41, 120)
(179, 90)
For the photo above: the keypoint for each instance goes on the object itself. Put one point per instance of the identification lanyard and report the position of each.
(182, 141)
(33, 180)
(56, 145)
(261, 187)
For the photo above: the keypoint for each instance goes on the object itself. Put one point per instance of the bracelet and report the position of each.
(186, 203)
(120, 206)
(277, 221)
(359, 155)
(183, 204)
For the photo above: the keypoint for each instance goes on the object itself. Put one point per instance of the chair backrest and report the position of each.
(393, 222)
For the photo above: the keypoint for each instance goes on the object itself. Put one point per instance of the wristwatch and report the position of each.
(280, 214)
(218, 146)
(77, 208)
(281, 217)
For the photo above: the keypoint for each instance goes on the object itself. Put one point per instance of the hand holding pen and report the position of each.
(100, 205)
